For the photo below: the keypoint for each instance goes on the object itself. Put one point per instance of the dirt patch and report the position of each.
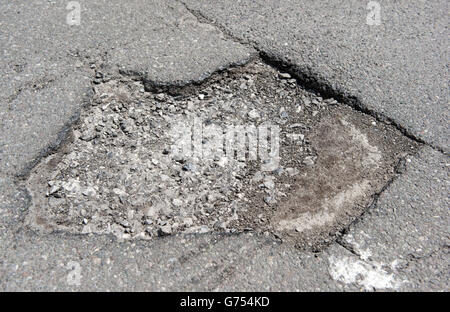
(247, 150)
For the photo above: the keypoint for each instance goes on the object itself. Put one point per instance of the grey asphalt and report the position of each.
(397, 70)
(46, 63)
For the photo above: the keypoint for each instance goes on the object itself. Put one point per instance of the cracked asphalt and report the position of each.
(396, 72)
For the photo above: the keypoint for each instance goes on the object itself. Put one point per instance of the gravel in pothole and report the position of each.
(122, 172)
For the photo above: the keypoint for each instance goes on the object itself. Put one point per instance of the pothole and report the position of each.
(248, 150)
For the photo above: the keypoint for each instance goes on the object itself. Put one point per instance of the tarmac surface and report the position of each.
(396, 72)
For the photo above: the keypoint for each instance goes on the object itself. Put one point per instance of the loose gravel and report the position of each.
(124, 170)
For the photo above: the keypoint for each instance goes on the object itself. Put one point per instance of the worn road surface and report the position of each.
(396, 72)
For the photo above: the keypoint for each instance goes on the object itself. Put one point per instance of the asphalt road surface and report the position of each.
(396, 71)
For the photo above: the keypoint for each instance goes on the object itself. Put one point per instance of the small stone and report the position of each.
(72, 186)
(125, 224)
(119, 192)
(166, 151)
(86, 229)
(160, 97)
(201, 96)
(177, 202)
(308, 161)
(165, 230)
(126, 126)
(254, 114)
(222, 162)
(284, 115)
(284, 76)
(89, 136)
(269, 200)
(269, 184)
(53, 190)
(211, 197)
(126, 236)
(188, 222)
(179, 158)
(278, 171)
(295, 136)
(292, 171)
(200, 229)
(189, 167)
(89, 191)
(401, 166)
(330, 101)
(154, 210)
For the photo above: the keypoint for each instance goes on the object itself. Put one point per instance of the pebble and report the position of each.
(295, 136)
(125, 224)
(268, 200)
(89, 191)
(200, 229)
(254, 114)
(165, 230)
(152, 211)
(53, 190)
(188, 222)
(160, 97)
(284, 114)
(177, 202)
(308, 161)
(89, 136)
(284, 75)
(119, 192)
(292, 171)
(269, 184)
(189, 167)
